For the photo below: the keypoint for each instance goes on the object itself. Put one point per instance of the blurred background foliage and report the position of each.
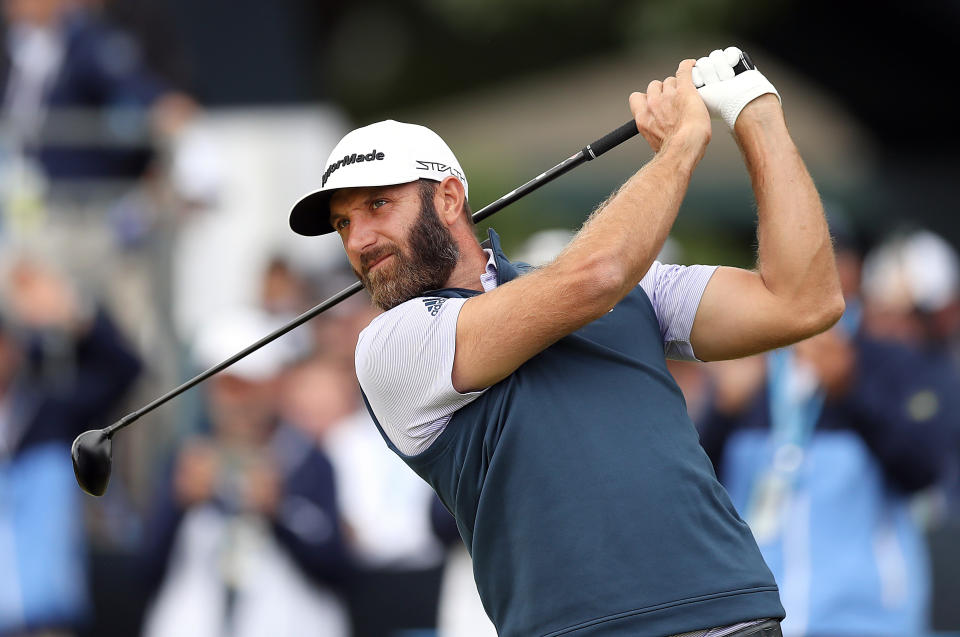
(883, 65)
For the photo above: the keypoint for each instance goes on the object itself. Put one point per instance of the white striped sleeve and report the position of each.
(404, 363)
(675, 292)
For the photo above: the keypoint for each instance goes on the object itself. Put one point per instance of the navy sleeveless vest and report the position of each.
(582, 492)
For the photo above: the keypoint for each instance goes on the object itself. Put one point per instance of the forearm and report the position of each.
(606, 259)
(796, 260)
(627, 231)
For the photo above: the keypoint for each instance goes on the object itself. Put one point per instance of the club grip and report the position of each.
(745, 63)
(610, 140)
(616, 137)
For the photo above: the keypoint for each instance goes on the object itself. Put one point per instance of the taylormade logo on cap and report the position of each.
(350, 159)
(400, 153)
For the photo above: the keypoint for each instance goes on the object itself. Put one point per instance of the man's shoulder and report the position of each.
(416, 308)
(402, 328)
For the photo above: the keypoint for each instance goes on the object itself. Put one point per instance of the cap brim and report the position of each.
(311, 215)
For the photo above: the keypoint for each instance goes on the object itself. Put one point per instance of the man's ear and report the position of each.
(449, 199)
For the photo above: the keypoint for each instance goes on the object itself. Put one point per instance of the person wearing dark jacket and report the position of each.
(77, 94)
(821, 449)
(62, 370)
(244, 535)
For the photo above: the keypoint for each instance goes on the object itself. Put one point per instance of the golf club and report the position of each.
(92, 451)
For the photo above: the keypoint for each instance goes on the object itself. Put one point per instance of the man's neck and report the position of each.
(473, 263)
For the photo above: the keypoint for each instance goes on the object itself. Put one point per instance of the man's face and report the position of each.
(34, 12)
(242, 410)
(395, 241)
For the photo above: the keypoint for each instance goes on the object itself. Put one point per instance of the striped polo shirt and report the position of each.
(416, 415)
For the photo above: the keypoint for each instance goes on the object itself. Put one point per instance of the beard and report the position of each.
(430, 258)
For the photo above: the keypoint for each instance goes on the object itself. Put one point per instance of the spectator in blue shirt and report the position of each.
(62, 369)
(821, 447)
(77, 94)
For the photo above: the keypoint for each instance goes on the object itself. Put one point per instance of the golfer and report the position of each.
(537, 402)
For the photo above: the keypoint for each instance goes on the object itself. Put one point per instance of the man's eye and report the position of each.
(378, 202)
(340, 224)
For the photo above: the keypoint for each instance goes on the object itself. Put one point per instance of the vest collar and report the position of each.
(506, 271)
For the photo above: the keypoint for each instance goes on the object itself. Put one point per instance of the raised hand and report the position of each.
(725, 93)
(672, 108)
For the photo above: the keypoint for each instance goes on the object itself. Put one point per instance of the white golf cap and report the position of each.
(917, 271)
(231, 331)
(381, 154)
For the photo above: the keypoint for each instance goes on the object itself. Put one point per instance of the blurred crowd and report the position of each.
(265, 502)
(841, 451)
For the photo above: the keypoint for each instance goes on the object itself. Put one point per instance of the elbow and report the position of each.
(591, 284)
(823, 314)
(603, 282)
(832, 310)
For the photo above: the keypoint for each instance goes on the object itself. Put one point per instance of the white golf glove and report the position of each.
(724, 92)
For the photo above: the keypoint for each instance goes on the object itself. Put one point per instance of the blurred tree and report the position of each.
(376, 57)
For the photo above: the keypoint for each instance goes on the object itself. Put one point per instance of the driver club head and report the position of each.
(92, 454)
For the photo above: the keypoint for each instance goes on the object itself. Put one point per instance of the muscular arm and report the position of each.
(794, 292)
(498, 331)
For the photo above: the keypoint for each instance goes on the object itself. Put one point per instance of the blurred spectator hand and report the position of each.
(736, 382)
(171, 113)
(196, 474)
(261, 488)
(833, 359)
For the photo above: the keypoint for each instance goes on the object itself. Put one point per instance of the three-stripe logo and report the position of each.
(433, 305)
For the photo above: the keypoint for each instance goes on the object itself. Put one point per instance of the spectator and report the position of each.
(821, 446)
(911, 295)
(245, 538)
(62, 61)
(82, 116)
(61, 370)
(283, 291)
(912, 291)
(385, 507)
(335, 332)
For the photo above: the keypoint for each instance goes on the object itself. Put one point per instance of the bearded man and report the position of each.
(538, 404)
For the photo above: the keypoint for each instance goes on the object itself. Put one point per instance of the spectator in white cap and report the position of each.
(244, 538)
(910, 284)
(824, 447)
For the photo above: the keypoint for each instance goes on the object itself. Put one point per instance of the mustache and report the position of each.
(369, 258)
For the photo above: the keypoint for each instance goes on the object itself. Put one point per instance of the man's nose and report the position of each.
(360, 237)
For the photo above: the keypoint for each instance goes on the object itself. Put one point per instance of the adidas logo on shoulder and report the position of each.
(433, 305)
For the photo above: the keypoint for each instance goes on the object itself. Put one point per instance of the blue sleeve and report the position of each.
(109, 65)
(307, 523)
(104, 368)
(160, 530)
(903, 405)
